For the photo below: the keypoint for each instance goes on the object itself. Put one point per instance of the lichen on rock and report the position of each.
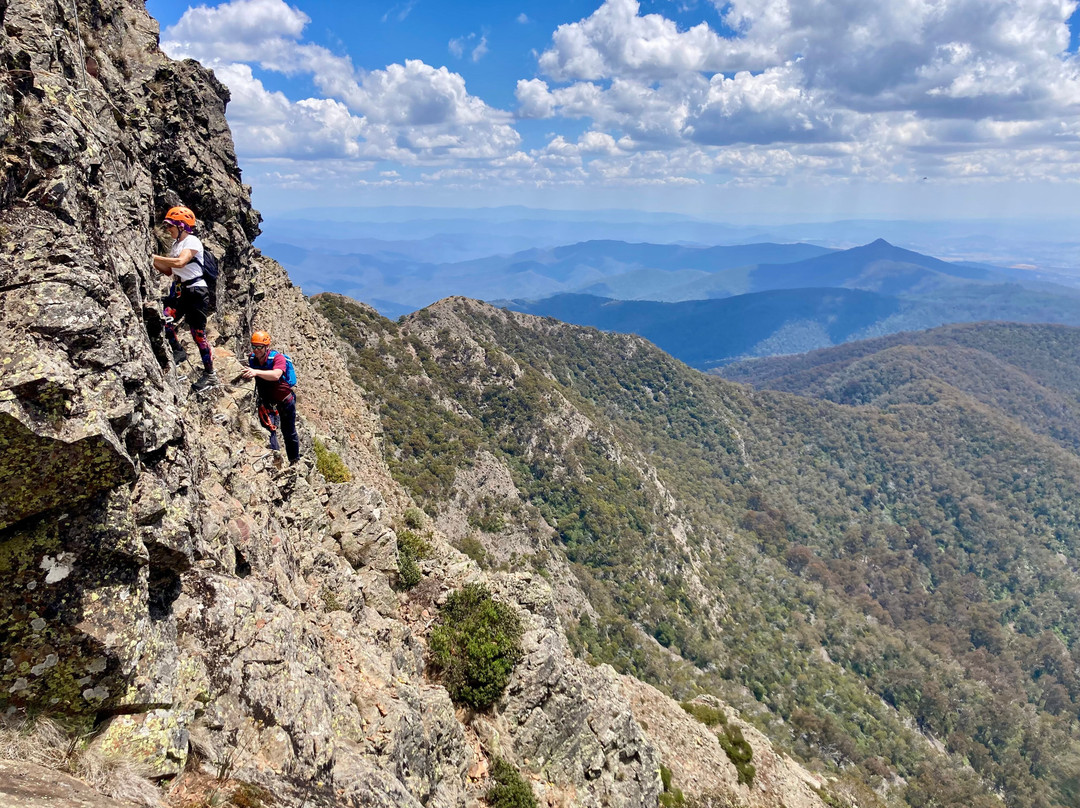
(169, 582)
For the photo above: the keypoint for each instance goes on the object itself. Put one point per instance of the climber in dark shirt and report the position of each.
(274, 381)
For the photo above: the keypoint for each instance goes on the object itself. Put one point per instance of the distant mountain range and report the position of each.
(706, 305)
(636, 270)
(871, 291)
(706, 333)
(401, 277)
(445, 235)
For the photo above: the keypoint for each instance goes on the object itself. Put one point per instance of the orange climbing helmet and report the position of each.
(181, 217)
(260, 338)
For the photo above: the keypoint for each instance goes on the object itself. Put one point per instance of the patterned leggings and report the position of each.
(197, 334)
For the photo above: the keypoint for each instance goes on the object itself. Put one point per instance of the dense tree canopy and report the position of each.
(889, 557)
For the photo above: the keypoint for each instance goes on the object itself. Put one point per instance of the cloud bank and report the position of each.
(410, 113)
(760, 92)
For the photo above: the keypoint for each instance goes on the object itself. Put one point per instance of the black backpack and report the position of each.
(210, 274)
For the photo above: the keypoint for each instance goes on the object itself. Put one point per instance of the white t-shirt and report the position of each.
(193, 269)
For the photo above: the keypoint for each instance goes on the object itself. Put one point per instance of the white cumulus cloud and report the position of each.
(826, 86)
(616, 40)
(240, 23)
(782, 89)
(407, 112)
(268, 124)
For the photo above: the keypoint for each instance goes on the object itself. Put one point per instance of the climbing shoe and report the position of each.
(207, 380)
(179, 356)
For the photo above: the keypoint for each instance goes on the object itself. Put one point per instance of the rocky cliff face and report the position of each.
(166, 584)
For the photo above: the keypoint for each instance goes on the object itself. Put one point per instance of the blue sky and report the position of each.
(731, 109)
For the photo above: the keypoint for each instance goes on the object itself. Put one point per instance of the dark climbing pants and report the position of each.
(287, 411)
(194, 306)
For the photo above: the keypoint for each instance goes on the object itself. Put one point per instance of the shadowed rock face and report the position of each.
(43, 473)
(97, 511)
(162, 577)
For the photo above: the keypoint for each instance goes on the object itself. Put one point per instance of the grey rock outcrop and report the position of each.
(163, 576)
(165, 581)
(28, 785)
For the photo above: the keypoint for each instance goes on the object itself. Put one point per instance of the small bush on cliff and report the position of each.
(510, 789)
(739, 752)
(476, 646)
(707, 715)
(671, 797)
(330, 464)
(411, 548)
(474, 549)
(413, 518)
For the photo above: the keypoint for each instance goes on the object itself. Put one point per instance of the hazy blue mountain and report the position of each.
(710, 333)
(609, 258)
(649, 284)
(396, 277)
(878, 266)
(1043, 245)
(455, 234)
(704, 333)
(636, 270)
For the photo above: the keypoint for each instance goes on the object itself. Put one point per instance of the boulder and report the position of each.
(27, 785)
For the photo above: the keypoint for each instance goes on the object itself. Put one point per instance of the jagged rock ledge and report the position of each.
(207, 613)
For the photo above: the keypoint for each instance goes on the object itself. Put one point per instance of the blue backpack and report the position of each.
(289, 376)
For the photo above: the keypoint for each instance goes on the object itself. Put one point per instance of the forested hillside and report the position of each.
(890, 590)
(708, 334)
(1028, 372)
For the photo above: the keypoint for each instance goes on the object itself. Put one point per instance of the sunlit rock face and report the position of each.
(165, 580)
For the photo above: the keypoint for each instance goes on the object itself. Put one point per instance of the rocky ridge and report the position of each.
(167, 584)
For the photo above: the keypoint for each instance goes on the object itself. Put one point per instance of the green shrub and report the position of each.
(474, 549)
(413, 518)
(709, 716)
(671, 797)
(665, 777)
(487, 522)
(510, 790)
(410, 542)
(330, 464)
(739, 752)
(487, 516)
(476, 646)
(411, 548)
(409, 573)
